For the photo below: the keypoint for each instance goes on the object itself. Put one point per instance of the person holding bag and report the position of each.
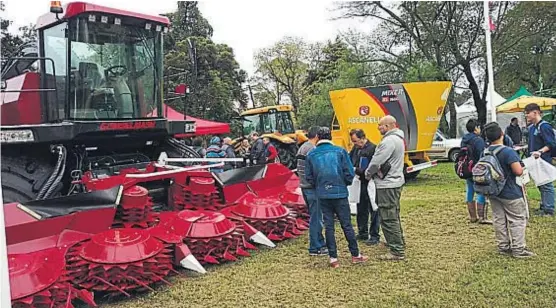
(361, 154)
(542, 142)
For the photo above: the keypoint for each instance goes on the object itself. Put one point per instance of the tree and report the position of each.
(217, 82)
(317, 109)
(282, 70)
(448, 36)
(524, 46)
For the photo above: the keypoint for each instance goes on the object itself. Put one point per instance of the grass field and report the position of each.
(450, 263)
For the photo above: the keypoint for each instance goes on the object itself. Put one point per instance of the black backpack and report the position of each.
(465, 162)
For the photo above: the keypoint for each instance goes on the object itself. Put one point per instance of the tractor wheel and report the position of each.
(23, 177)
(286, 154)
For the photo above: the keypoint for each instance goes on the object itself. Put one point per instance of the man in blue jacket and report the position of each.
(541, 142)
(329, 170)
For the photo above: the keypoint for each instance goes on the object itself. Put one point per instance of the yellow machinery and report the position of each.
(417, 107)
(277, 123)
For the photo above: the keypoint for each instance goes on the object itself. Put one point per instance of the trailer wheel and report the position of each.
(23, 177)
(413, 175)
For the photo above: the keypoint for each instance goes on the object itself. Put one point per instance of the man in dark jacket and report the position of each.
(361, 154)
(541, 142)
(230, 153)
(473, 141)
(257, 150)
(329, 170)
(514, 131)
(317, 246)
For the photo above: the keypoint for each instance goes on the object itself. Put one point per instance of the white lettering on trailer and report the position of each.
(396, 92)
(363, 120)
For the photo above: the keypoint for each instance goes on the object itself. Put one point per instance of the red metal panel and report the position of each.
(76, 8)
(22, 107)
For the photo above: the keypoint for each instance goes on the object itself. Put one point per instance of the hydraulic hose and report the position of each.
(52, 177)
(58, 179)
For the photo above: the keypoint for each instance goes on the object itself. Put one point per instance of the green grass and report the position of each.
(450, 263)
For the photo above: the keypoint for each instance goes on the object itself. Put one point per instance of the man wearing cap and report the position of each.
(215, 151)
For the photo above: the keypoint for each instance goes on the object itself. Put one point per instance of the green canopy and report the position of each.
(522, 91)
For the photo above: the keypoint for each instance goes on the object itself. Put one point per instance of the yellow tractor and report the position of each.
(278, 124)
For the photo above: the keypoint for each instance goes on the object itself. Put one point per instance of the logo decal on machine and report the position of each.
(127, 125)
(364, 110)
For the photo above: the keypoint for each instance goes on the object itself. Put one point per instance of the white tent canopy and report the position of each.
(468, 111)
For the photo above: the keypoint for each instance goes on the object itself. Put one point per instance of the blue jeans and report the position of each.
(340, 207)
(547, 198)
(471, 193)
(316, 240)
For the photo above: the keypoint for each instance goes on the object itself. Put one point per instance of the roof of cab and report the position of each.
(75, 8)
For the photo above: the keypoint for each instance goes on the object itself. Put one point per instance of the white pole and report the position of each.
(5, 300)
(489, 63)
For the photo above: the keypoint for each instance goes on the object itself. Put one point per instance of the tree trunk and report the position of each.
(480, 103)
(453, 114)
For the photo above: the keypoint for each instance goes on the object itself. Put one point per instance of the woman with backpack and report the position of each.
(472, 147)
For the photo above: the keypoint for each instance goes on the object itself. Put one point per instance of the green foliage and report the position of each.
(281, 71)
(12, 42)
(216, 85)
(317, 110)
(524, 47)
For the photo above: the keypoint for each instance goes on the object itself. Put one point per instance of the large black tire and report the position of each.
(286, 154)
(23, 177)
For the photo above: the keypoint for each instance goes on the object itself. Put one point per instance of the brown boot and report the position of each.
(482, 212)
(472, 212)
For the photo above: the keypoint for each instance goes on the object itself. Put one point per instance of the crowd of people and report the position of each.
(326, 171)
(257, 152)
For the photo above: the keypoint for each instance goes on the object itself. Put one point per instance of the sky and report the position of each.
(245, 25)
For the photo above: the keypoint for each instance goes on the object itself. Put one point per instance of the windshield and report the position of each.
(115, 71)
(270, 122)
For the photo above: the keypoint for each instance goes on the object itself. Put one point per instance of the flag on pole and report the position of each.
(491, 25)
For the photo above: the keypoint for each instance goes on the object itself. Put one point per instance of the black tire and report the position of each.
(413, 175)
(23, 177)
(453, 154)
(286, 154)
